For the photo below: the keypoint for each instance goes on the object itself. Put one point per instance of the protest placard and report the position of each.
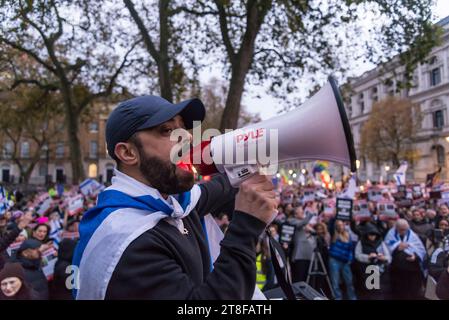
(70, 235)
(329, 207)
(49, 258)
(344, 209)
(91, 187)
(374, 194)
(387, 210)
(308, 195)
(360, 210)
(44, 206)
(286, 234)
(12, 249)
(75, 205)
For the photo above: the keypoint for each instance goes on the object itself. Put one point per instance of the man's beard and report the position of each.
(165, 176)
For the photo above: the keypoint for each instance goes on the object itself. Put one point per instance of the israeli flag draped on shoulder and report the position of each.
(392, 239)
(124, 211)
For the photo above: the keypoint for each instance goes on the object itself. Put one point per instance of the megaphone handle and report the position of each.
(240, 172)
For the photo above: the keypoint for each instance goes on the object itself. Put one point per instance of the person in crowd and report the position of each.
(13, 284)
(431, 216)
(442, 289)
(58, 288)
(420, 225)
(10, 236)
(408, 253)
(303, 245)
(29, 256)
(372, 251)
(340, 258)
(443, 213)
(41, 233)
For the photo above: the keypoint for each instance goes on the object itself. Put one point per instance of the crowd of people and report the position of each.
(341, 258)
(408, 249)
(38, 236)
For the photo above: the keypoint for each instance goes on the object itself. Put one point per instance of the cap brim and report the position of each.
(190, 110)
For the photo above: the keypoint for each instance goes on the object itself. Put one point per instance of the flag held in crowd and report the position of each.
(399, 176)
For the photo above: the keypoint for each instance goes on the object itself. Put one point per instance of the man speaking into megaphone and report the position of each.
(151, 235)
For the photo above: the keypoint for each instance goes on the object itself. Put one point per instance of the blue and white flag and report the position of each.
(3, 201)
(124, 211)
(399, 176)
(392, 239)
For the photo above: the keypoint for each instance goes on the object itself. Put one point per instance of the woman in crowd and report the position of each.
(13, 285)
(303, 245)
(340, 258)
(372, 252)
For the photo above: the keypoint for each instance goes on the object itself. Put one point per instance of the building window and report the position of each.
(435, 77)
(93, 151)
(7, 150)
(93, 170)
(42, 170)
(93, 127)
(438, 119)
(25, 150)
(60, 150)
(362, 107)
(374, 94)
(441, 157)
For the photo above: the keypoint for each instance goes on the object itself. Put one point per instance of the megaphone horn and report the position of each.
(317, 130)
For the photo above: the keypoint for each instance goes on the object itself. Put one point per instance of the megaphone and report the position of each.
(317, 130)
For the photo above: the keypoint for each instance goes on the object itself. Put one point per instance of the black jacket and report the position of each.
(5, 240)
(35, 277)
(58, 288)
(442, 290)
(162, 263)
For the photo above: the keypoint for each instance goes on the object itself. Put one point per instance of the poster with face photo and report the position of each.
(329, 207)
(12, 249)
(308, 195)
(344, 209)
(361, 211)
(375, 194)
(49, 258)
(387, 210)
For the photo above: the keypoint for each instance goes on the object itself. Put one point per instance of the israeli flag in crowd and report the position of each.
(3, 201)
(399, 176)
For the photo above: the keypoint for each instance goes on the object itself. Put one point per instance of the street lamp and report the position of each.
(447, 138)
(290, 172)
(303, 171)
(387, 168)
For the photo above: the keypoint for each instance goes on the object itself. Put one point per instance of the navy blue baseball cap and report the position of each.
(145, 112)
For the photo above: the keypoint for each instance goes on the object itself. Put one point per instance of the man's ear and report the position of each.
(127, 153)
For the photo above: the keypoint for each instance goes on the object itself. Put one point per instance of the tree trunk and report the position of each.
(72, 122)
(163, 61)
(75, 148)
(230, 117)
